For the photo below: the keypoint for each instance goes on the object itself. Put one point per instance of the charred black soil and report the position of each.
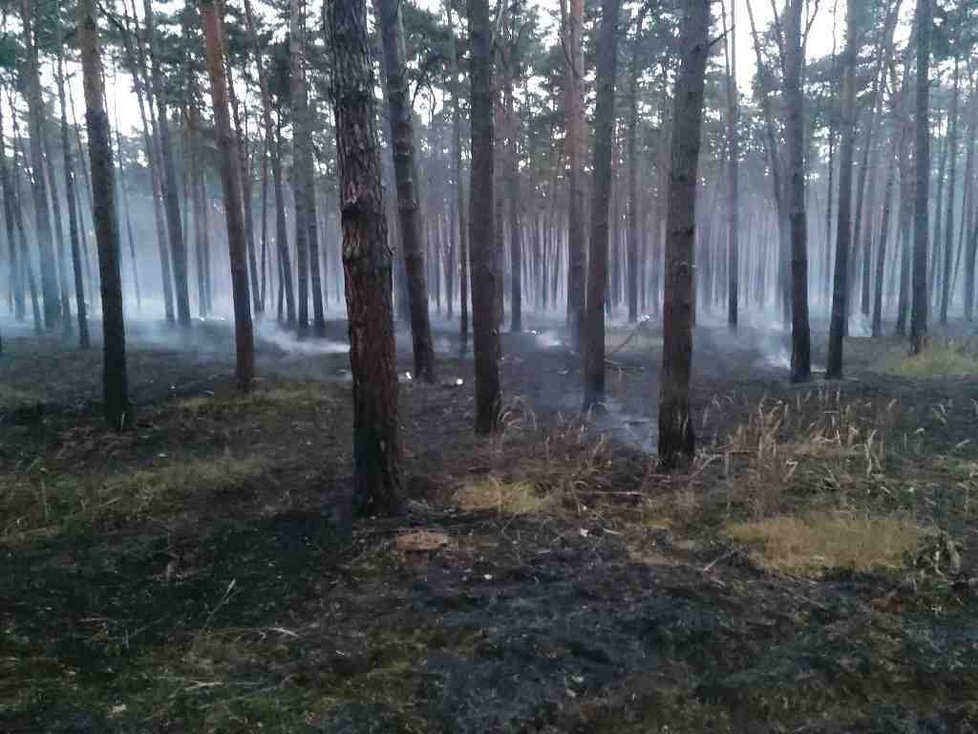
(813, 571)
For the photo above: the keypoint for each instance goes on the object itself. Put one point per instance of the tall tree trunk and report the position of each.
(231, 185)
(733, 172)
(905, 228)
(461, 222)
(633, 163)
(136, 60)
(801, 348)
(35, 104)
(241, 143)
(676, 439)
(124, 196)
(918, 318)
(168, 179)
(69, 169)
(597, 276)
(115, 382)
(576, 150)
(406, 176)
(301, 155)
(59, 235)
(843, 237)
(891, 169)
(511, 172)
(952, 144)
(482, 229)
(20, 267)
(274, 149)
(366, 264)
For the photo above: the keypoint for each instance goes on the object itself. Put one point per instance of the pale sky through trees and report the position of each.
(121, 97)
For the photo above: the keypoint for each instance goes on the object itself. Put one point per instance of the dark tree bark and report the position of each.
(35, 104)
(406, 176)
(801, 348)
(482, 230)
(918, 318)
(843, 237)
(69, 170)
(366, 265)
(576, 151)
(231, 185)
(676, 439)
(460, 220)
(301, 156)
(241, 143)
(115, 382)
(905, 231)
(733, 172)
(877, 328)
(633, 165)
(597, 276)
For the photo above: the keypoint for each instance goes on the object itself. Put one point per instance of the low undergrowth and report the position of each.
(819, 542)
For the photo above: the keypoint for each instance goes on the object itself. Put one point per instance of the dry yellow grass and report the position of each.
(274, 397)
(506, 498)
(421, 540)
(815, 543)
(943, 359)
(143, 489)
(12, 397)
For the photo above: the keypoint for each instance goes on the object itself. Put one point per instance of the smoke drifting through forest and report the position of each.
(586, 188)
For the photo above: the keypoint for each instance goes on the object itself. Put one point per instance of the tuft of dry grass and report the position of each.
(278, 397)
(43, 503)
(13, 397)
(815, 440)
(813, 544)
(940, 359)
(147, 488)
(505, 498)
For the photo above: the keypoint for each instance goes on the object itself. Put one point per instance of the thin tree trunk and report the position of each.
(406, 176)
(274, 149)
(952, 144)
(137, 63)
(877, 328)
(573, 48)
(597, 276)
(676, 438)
(69, 169)
(231, 184)
(59, 236)
(482, 228)
(918, 320)
(13, 216)
(168, 179)
(733, 172)
(632, 136)
(511, 174)
(366, 264)
(801, 349)
(843, 237)
(115, 381)
(49, 273)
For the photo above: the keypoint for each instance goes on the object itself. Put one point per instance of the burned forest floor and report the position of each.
(815, 570)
